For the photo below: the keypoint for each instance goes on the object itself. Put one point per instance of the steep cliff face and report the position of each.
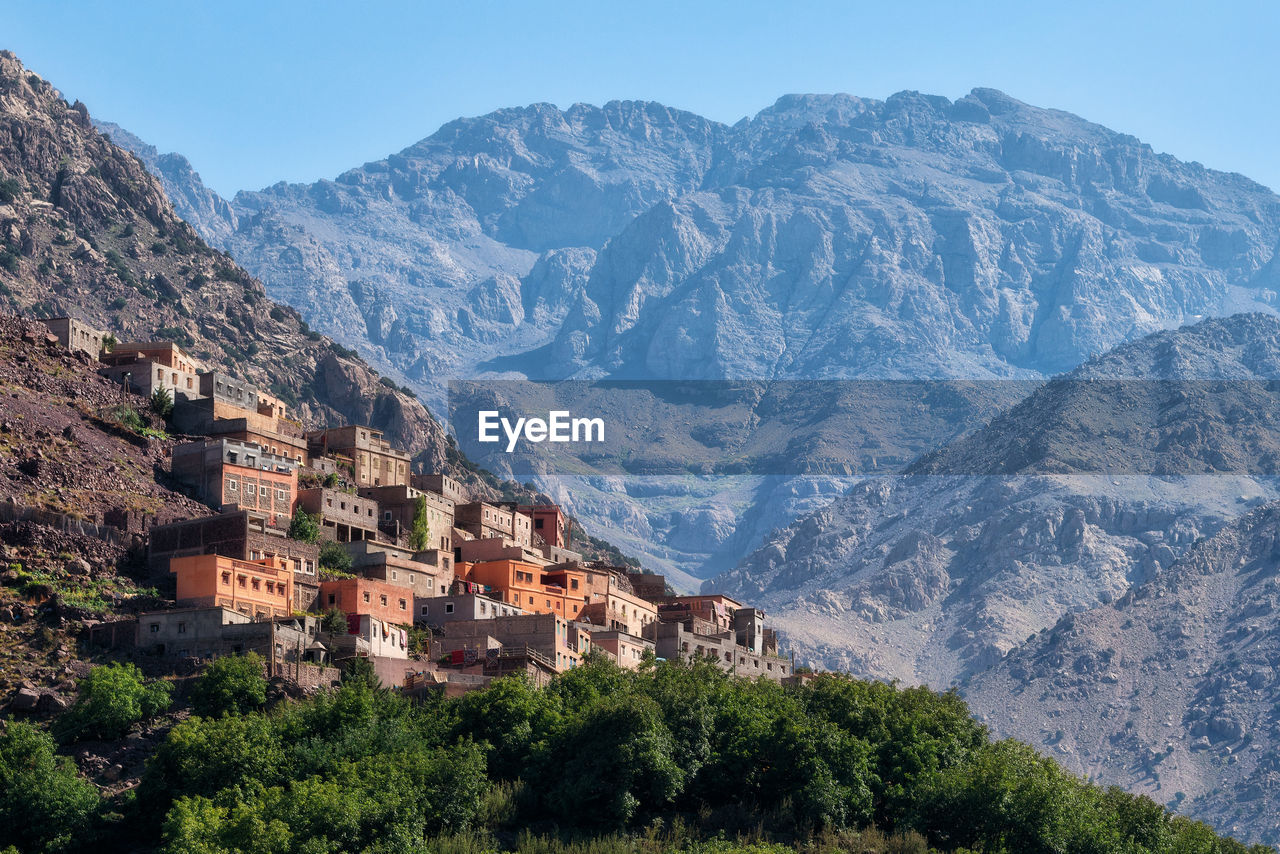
(88, 232)
(1171, 690)
(936, 574)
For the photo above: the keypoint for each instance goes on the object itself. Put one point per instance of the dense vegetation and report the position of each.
(671, 757)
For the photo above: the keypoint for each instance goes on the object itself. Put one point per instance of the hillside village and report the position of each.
(324, 545)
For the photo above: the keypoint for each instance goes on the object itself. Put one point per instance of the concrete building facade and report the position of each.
(626, 650)
(390, 603)
(344, 517)
(398, 507)
(439, 610)
(76, 335)
(242, 534)
(374, 461)
(547, 635)
(150, 366)
(228, 474)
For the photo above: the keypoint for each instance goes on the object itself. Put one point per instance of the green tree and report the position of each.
(162, 402)
(202, 756)
(334, 558)
(334, 621)
(513, 720)
(304, 526)
(380, 803)
(112, 699)
(616, 761)
(44, 805)
(420, 534)
(232, 684)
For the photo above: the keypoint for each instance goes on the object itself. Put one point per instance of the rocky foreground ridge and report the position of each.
(87, 231)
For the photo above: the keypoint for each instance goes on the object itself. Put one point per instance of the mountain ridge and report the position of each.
(825, 237)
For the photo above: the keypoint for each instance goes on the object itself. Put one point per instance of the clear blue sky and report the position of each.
(256, 92)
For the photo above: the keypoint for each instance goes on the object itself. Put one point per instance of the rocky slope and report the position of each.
(68, 464)
(87, 231)
(936, 574)
(1171, 690)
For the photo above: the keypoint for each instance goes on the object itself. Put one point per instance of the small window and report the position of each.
(332, 599)
(448, 607)
(155, 627)
(424, 610)
(382, 600)
(403, 605)
(231, 486)
(366, 596)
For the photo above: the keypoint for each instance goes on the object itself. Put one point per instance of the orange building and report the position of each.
(561, 592)
(258, 588)
(549, 522)
(390, 603)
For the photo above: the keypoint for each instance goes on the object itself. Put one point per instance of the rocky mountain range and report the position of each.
(1115, 619)
(826, 237)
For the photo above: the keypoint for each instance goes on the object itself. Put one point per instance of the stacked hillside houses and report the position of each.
(332, 538)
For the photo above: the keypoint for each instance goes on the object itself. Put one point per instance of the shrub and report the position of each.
(334, 621)
(162, 402)
(335, 558)
(233, 684)
(304, 526)
(44, 805)
(420, 534)
(112, 699)
(128, 417)
(9, 189)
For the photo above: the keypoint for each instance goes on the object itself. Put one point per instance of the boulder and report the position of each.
(26, 700)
